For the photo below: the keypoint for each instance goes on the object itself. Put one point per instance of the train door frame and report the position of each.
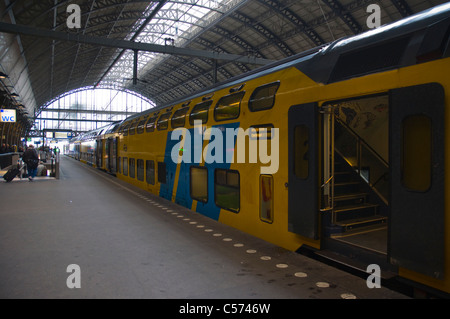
(337, 235)
(99, 153)
(112, 155)
(162, 188)
(303, 164)
(416, 219)
(327, 159)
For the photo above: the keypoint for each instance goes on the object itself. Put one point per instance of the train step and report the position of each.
(343, 176)
(355, 210)
(362, 206)
(352, 224)
(343, 188)
(350, 199)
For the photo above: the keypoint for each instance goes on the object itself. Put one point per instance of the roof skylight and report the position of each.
(176, 23)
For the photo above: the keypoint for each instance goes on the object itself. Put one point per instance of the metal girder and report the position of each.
(124, 44)
(349, 20)
(238, 40)
(59, 110)
(284, 48)
(296, 20)
(209, 44)
(402, 7)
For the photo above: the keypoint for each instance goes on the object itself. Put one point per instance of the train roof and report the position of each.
(402, 43)
(94, 133)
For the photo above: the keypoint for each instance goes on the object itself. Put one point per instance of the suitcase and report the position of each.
(11, 174)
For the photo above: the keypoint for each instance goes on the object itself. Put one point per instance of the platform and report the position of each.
(131, 244)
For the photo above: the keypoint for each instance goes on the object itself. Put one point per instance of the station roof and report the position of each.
(165, 49)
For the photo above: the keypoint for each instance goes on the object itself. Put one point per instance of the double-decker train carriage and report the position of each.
(341, 150)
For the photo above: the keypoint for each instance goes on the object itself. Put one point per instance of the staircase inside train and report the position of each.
(356, 182)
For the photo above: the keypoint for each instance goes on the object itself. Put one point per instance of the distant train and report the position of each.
(340, 150)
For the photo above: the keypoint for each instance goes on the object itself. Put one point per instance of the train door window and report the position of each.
(228, 107)
(178, 118)
(301, 157)
(200, 112)
(133, 126)
(150, 174)
(141, 125)
(125, 129)
(150, 125)
(125, 166)
(416, 153)
(120, 165)
(261, 132)
(140, 169)
(266, 198)
(199, 183)
(227, 189)
(132, 168)
(162, 172)
(163, 122)
(263, 97)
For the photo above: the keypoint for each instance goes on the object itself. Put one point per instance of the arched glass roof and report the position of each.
(174, 23)
(88, 109)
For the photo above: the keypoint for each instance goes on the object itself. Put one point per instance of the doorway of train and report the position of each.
(369, 174)
(354, 192)
(111, 151)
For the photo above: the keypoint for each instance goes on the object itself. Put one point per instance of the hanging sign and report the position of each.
(8, 116)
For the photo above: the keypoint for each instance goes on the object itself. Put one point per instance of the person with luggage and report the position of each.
(31, 158)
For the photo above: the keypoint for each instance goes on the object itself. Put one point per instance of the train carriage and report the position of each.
(340, 150)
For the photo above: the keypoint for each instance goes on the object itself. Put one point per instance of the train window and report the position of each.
(125, 129)
(132, 167)
(200, 112)
(150, 176)
(227, 189)
(132, 129)
(120, 165)
(301, 156)
(162, 172)
(150, 125)
(416, 153)
(228, 107)
(199, 183)
(140, 170)
(266, 198)
(163, 122)
(125, 165)
(141, 125)
(261, 132)
(178, 118)
(263, 97)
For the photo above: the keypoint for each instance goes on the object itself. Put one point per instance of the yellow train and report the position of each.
(340, 150)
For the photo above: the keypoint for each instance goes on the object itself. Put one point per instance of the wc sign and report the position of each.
(7, 116)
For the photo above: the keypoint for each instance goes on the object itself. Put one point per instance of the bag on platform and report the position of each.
(11, 174)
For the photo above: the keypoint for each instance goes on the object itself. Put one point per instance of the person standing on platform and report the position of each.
(31, 158)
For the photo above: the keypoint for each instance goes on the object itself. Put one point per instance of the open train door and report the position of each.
(99, 154)
(112, 155)
(303, 208)
(416, 227)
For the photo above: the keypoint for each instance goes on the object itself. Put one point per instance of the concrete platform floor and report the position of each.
(132, 244)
